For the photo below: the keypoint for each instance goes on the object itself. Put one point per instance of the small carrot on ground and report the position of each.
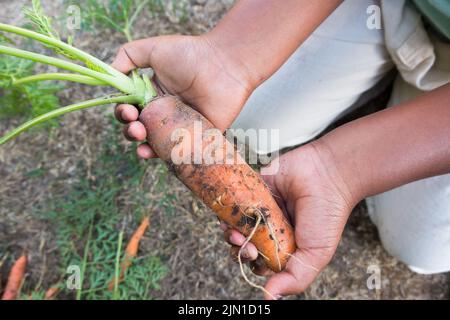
(131, 250)
(51, 292)
(15, 278)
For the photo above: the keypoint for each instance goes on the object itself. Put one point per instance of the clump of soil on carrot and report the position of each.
(38, 166)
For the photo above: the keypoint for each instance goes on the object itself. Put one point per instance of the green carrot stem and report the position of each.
(83, 56)
(127, 34)
(129, 22)
(62, 77)
(124, 86)
(137, 12)
(61, 111)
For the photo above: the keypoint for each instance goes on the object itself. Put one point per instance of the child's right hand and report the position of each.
(192, 67)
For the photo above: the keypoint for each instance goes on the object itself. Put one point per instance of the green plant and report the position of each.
(30, 99)
(119, 15)
(91, 227)
(35, 295)
(132, 89)
(141, 278)
(89, 221)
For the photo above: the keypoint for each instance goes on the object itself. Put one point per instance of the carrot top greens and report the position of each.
(83, 68)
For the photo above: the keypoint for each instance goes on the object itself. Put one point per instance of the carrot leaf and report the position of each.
(43, 25)
(29, 100)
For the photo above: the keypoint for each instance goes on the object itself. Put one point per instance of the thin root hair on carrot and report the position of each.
(241, 265)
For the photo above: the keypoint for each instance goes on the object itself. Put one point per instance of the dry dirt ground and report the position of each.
(190, 241)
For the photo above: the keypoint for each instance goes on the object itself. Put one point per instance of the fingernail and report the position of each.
(244, 253)
(129, 133)
(278, 297)
(132, 125)
(122, 115)
(232, 239)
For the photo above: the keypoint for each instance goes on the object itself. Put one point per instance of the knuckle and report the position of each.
(123, 48)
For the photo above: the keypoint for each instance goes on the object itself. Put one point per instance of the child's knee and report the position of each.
(413, 223)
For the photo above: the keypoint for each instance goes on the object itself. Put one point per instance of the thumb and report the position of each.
(269, 175)
(302, 268)
(135, 54)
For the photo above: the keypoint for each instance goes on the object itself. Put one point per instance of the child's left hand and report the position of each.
(315, 198)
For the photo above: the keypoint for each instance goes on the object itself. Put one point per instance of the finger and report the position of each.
(259, 267)
(227, 235)
(235, 238)
(267, 176)
(223, 226)
(267, 173)
(134, 54)
(250, 252)
(273, 168)
(144, 151)
(269, 179)
(135, 131)
(126, 113)
(300, 272)
(238, 239)
(246, 254)
(234, 252)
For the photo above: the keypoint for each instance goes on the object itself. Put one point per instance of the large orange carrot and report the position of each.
(15, 278)
(131, 250)
(235, 192)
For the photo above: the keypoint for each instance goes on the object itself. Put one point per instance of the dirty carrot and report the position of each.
(15, 278)
(131, 250)
(232, 189)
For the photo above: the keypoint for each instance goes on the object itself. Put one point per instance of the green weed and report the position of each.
(32, 99)
(119, 15)
(29, 100)
(90, 228)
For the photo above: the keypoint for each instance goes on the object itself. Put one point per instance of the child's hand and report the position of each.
(191, 67)
(314, 197)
